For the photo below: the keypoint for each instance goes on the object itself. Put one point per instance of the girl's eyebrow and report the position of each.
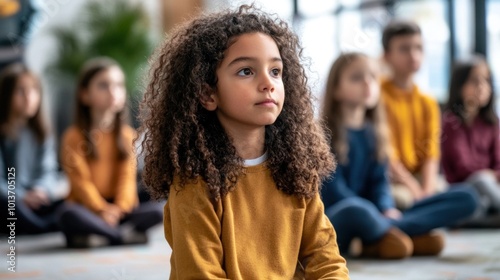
(252, 59)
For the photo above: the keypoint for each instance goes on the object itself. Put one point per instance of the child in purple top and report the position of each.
(470, 140)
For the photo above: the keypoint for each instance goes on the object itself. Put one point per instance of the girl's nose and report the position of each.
(266, 84)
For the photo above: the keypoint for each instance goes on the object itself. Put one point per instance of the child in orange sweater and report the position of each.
(231, 141)
(98, 157)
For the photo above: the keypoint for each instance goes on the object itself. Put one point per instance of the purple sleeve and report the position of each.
(496, 151)
(455, 153)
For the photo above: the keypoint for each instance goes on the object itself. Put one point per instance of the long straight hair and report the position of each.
(460, 76)
(83, 118)
(332, 114)
(9, 78)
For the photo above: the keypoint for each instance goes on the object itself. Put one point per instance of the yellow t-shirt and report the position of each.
(92, 182)
(414, 123)
(254, 232)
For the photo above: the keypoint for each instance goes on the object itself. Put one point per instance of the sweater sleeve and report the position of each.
(335, 188)
(455, 152)
(4, 183)
(45, 173)
(126, 183)
(193, 230)
(77, 169)
(319, 252)
(380, 193)
(495, 152)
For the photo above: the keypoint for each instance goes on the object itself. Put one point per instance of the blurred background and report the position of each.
(57, 36)
(64, 33)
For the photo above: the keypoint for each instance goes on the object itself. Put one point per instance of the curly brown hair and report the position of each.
(184, 140)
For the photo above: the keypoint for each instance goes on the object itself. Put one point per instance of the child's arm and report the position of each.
(456, 162)
(193, 230)
(430, 171)
(431, 148)
(45, 176)
(319, 253)
(126, 183)
(380, 193)
(495, 152)
(75, 165)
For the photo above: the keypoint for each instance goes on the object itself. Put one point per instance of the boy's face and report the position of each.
(250, 91)
(405, 54)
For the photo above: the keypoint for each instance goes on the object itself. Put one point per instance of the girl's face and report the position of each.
(358, 83)
(26, 98)
(106, 91)
(250, 89)
(476, 92)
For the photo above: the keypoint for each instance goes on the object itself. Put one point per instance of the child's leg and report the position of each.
(145, 216)
(28, 221)
(356, 217)
(76, 220)
(488, 188)
(440, 210)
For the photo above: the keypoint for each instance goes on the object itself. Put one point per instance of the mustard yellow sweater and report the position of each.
(255, 232)
(93, 182)
(414, 123)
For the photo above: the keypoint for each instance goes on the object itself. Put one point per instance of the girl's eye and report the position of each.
(102, 86)
(357, 77)
(245, 72)
(276, 72)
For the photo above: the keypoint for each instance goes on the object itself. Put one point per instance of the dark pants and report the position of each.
(30, 221)
(358, 217)
(76, 219)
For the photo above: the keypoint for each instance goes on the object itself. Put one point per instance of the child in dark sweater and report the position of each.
(471, 137)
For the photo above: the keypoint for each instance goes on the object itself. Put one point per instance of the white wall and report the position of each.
(42, 48)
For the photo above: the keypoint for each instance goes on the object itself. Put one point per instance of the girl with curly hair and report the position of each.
(231, 141)
(357, 198)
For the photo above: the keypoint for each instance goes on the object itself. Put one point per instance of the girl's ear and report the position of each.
(209, 101)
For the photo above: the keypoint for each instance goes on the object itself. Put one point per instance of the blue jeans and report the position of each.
(358, 217)
(76, 219)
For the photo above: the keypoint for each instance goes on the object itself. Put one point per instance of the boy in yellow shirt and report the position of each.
(413, 118)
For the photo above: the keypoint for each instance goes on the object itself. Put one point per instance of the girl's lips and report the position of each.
(267, 102)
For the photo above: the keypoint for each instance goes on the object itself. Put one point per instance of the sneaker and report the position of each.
(429, 244)
(395, 244)
(86, 241)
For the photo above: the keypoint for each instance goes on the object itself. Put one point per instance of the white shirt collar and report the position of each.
(256, 161)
